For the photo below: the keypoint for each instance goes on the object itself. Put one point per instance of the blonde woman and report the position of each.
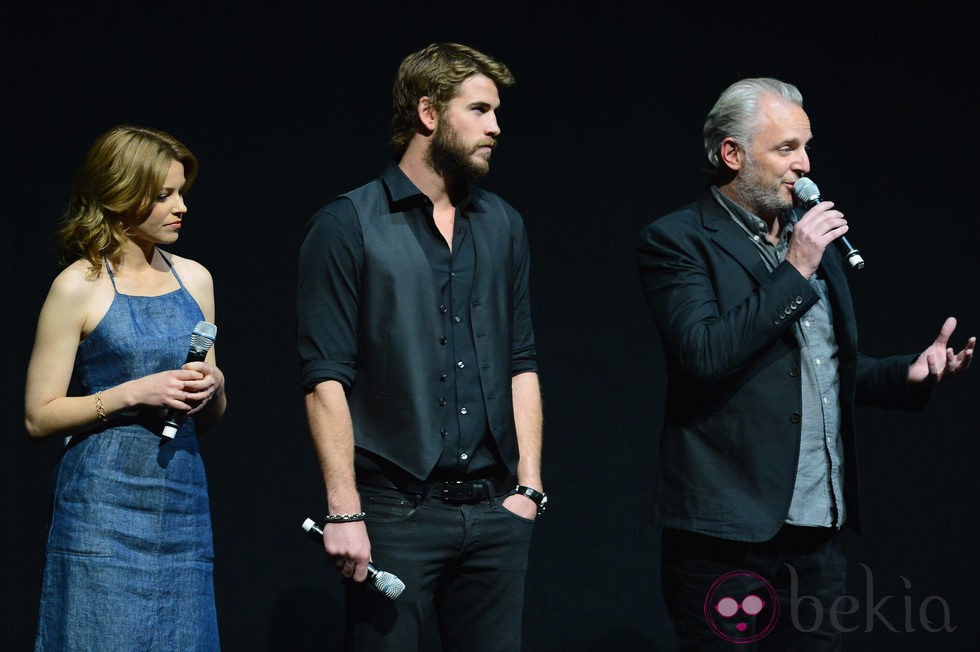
(129, 556)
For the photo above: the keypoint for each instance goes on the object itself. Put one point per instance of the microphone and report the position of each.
(201, 340)
(808, 194)
(385, 582)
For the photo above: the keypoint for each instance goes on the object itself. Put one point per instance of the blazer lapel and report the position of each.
(731, 238)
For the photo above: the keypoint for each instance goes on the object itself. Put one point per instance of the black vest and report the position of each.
(394, 409)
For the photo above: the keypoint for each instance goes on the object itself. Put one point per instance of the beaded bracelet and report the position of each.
(100, 408)
(344, 518)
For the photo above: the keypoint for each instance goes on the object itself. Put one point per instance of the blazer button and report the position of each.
(794, 417)
(794, 372)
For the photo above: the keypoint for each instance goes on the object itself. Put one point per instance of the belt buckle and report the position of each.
(458, 491)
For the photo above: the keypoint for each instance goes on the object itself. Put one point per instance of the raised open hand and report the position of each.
(939, 361)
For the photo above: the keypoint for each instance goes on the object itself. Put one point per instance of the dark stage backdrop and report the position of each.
(287, 105)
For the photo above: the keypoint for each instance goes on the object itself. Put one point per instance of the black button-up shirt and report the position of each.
(467, 449)
(464, 422)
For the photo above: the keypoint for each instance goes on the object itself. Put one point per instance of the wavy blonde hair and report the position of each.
(117, 182)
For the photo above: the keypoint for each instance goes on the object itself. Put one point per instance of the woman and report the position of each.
(129, 557)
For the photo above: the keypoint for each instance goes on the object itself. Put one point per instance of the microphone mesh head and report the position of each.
(388, 584)
(203, 336)
(206, 329)
(806, 191)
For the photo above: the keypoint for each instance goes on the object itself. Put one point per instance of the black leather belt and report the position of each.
(462, 491)
(450, 491)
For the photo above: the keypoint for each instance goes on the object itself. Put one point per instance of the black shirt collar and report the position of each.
(401, 189)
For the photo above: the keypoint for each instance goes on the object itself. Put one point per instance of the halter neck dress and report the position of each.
(129, 557)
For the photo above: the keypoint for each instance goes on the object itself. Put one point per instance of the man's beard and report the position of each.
(758, 195)
(449, 157)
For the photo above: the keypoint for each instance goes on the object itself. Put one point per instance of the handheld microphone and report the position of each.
(385, 582)
(201, 340)
(809, 196)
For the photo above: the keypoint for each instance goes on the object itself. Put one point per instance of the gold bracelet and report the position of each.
(99, 408)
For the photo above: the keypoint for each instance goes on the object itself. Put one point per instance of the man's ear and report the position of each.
(732, 154)
(427, 113)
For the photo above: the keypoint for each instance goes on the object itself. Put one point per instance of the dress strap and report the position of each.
(111, 276)
(174, 271)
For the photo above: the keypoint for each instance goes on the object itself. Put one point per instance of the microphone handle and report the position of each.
(850, 252)
(170, 424)
(316, 533)
(383, 581)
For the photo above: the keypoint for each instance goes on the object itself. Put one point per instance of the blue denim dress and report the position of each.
(129, 559)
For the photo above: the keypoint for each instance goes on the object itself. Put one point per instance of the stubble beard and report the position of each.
(759, 195)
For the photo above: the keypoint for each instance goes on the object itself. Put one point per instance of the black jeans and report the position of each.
(774, 595)
(463, 566)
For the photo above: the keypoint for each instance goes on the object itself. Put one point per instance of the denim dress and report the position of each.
(129, 558)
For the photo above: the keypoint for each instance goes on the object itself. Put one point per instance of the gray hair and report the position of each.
(736, 114)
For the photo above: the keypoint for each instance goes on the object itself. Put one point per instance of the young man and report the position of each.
(418, 362)
(757, 459)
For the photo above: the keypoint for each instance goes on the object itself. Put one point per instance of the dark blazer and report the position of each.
(731, 439)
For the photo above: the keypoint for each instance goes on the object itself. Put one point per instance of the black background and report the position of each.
(287, 104)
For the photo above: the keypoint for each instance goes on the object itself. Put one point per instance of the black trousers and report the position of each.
(774, 595)
(463, 566)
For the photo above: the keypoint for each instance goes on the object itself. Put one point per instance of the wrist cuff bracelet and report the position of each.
(344, 518)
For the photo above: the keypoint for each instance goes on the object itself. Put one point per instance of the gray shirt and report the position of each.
(818, 496)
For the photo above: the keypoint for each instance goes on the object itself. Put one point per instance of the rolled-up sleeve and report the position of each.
(523, 351)
(328, 295)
